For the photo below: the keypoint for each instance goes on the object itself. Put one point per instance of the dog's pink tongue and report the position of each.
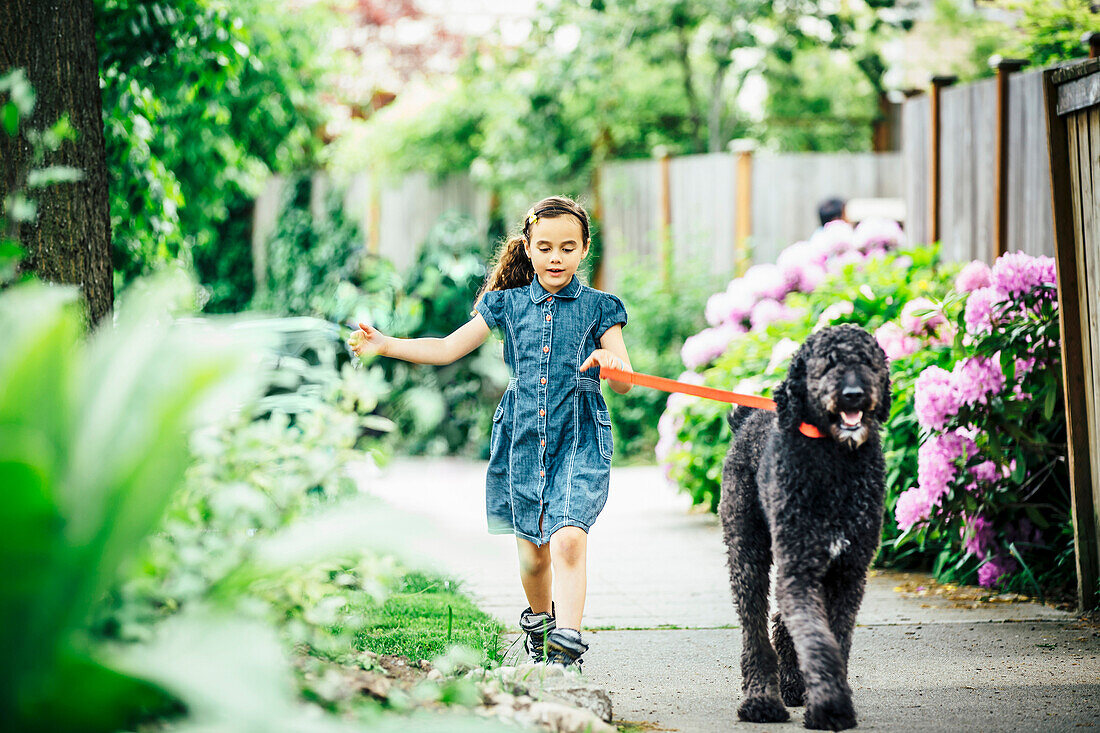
(852, 418)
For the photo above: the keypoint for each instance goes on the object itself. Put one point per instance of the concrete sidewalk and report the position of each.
(669, 653)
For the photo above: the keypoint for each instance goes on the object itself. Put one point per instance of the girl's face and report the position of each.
(556, 249)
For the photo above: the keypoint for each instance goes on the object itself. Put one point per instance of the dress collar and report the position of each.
(539, 293)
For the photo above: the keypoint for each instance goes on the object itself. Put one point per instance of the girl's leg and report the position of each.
(567, 551)
(534, 573)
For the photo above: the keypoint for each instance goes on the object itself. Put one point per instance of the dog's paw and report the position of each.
(763, 710)
(836, 714)
(792, 689)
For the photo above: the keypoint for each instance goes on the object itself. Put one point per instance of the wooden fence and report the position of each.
(394, 217)
(1072, 112)
(707, 202)
(989, 146)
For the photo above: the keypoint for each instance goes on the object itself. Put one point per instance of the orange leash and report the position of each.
(711, 393)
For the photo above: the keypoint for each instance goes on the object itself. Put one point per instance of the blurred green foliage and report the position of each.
(660, 320)
(202, 101)
(87, 472)
(317, 266)
(1043, 32)
(600, 80)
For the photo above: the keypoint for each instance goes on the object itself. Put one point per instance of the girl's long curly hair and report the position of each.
(511, 267)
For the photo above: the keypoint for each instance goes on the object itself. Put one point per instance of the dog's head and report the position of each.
(839, 382)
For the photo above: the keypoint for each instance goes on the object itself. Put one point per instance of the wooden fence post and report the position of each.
(1092, 40)
(1004, 67)
(665, 207)
(938, 83)
(743, 150)
(374, 235)
(1076, 234)
(597, 214)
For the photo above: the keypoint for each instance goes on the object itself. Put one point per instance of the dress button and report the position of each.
(548, 316)
(542, 413)
(544, 380)
(542, 473)
(544, 442)
(546, 349)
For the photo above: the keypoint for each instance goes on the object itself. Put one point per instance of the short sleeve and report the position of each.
(612, 311)
(491, 307)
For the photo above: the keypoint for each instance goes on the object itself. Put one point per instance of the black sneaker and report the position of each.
(536, 627)
(564, 646)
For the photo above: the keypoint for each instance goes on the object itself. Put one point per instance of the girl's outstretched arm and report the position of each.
(612, 354)
(463, 340)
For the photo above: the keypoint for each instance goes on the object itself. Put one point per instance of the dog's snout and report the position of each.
(852, 394)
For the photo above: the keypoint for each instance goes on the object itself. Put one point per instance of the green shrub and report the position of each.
(659, 320)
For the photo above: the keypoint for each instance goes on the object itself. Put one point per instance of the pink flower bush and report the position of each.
(1016, 273)
(936, 399)
(962, 407)
(976, 379)
(896, 342)
(767, 281)
(978, 535)
(756, 299)
(972, 277)
(769, 311)
(993, 571)
(979, 310)
(708, 344)
(878, 235)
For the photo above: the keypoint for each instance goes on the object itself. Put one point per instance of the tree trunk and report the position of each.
(54, 42)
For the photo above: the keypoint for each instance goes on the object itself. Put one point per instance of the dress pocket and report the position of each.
(603, 433)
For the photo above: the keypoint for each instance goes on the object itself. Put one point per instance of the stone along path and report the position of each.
(663, 628)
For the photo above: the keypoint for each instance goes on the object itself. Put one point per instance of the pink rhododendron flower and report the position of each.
(972, 277)
(977, 378)
(895, 342)
(880, 234)
(731, 305)
(1016, 273)
(979, 310)
(936, 459)
(913, 506)
(935, 400)
(985, 472)
(708, 344)
(834, 238)
(924, 325)
(978, 535)
(767, 281)
(803, 267)
(769, 311)
(840, 261)
(992, 572)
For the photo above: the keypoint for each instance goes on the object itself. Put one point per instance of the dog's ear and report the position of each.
(882, 412)
(790, 396)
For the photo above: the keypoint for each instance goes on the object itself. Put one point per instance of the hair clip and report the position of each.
(532, 217)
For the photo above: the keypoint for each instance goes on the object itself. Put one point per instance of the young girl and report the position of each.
(550, 453)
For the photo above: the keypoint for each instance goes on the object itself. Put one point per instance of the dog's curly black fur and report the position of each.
(815, 506)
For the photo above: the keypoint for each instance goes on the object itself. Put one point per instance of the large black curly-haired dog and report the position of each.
(814, 505)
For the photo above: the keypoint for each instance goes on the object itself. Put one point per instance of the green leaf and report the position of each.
(41, 177)
(11, 119)
(1048, 404)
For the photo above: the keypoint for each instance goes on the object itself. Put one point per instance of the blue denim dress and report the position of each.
(551, 439)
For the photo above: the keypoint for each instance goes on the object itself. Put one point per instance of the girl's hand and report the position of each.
(604, 358)
(366, 340)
